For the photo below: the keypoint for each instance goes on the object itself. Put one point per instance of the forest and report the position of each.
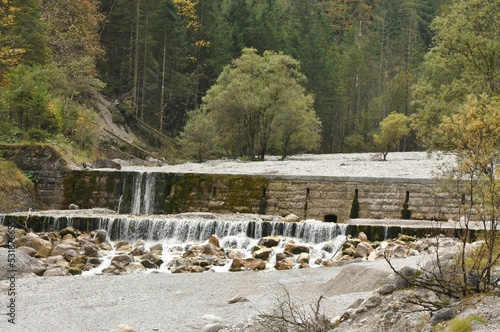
(356, 62)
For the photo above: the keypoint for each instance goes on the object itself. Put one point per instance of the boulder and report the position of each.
(134, 267)
(263, 253)
(100, 236)
(58, 260)
(235, 253)
(61, 249)
(106, 163)
(362, 236)
(303, 258)
(148, 264)
(284, 264)
(68, 230)
(121, 261)
(43, 247)
(28, 251)
(156, 247)
(25, 265)
(404, 277)
(211, 250)
(296, 248)
(442, 315)
(283, 255)
(269, 241)
(247, 264)
(152, 258)
(363, 249)
(91, 250)
(214, 240)
(56, 272)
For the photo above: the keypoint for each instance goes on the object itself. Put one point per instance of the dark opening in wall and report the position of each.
(406, 213)
(354, 214)
(330, 218)
(214, 190)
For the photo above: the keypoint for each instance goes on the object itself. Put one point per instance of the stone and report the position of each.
(283, 255)
(404, 277)
(363, 249)
(284, 264)
(156, 247)
(78, 261)
(235, 253)
(28, 251)
(100, 236)
(328, 262)
(25, 265)
(121, 243)
(269, 241)
(214, 327)
(58, 260)
(106, 246)
(121, 261)
(372, 302)
(56, 272)
(124, 328)
(43, 247)
(106, 163)
(296, 248)
(237, 298)
(386, 289)
(91, 250)
(263, 253)
(134, 267)
(211, 250)
(74, 271)
(214, 240)
(442, 315)
(362, 236)
(303, 258)
(148, 264)
(152, 258)
(291, 218)
(61, 249)
(68, 230)
(247, 264)
(84, 238)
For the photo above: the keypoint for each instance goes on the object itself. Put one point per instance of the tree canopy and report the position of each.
(259, 105)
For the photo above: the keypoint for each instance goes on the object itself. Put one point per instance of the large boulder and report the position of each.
(263, 253)
(42, 247)
(363, 249)
(56, 272)
(296, 248)
(61, 249)
(269, 241)
(25, 265)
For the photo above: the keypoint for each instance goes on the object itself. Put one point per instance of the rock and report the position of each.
(291, 218)
(43, 247)
(247, 264)
(56, 272)
(101, 236)
(25, 265)
(235, 253)
(263, 253)
(442, 315)
(74, 271)
(363, 249)
(284, 264)
(404, 277)
(106, 246)
(106, 163)
(349, 250)
(28, 251)
(57, 261)
(84, 238)
(303, 258)
(372, 302)
(134, 267)
(214, 240)
(73, 206)
(328, 262)
(386, 289)
(68, 230)
(148, 264)
(237, 298)
(121, 261)
(211, 250)
(362, 236)
(91, 250)
(215, 327)
(124, 328)
(61, 249)
(283, 255)
(156, 247)
(152, 258)
(78, 261)
(269, 241)
(296, 248)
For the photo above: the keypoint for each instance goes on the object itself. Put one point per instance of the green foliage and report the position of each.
(463, 61)
(259, 103)
(199, 140)
(463, 324)
(391, 130)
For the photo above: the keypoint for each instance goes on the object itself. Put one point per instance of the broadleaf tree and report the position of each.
(259, 105)
(392, 129)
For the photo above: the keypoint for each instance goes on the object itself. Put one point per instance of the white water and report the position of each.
(143, 190)
(176, 233)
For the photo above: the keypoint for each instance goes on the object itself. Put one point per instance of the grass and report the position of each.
(464, 324)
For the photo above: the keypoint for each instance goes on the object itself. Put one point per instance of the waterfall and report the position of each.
(143, 193)
(192, 229)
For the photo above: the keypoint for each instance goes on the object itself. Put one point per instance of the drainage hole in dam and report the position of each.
(330, 218)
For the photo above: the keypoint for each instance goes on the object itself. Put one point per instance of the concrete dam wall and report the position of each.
(323, 198)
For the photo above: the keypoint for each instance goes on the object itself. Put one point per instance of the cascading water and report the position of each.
(178, 232)
(143, 193)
